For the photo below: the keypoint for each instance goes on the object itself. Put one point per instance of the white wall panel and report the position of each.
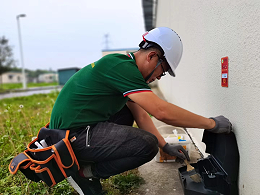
(211, 30)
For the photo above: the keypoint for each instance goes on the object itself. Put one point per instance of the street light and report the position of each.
(21, 49)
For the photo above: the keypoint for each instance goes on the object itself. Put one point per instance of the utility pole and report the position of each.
(21, 49)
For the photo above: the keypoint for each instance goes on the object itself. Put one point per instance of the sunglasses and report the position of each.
(161, 61)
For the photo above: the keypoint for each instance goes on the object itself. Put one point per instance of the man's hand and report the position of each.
(222, 125)
(176, 150)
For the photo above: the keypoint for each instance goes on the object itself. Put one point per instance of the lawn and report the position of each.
(20, 120)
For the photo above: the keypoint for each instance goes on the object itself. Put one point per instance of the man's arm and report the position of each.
(174, 115)
(170, 113)
(145, 122)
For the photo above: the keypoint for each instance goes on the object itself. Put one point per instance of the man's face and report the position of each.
(160, 70)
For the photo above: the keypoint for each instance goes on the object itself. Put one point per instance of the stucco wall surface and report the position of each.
(211, 30)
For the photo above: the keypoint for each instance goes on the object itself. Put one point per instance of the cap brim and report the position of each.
(171, 72)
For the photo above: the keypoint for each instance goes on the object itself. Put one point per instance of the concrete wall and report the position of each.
(211, 30)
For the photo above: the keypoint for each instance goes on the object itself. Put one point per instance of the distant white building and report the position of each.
(48, 78)
(12, 77)
(121, 51)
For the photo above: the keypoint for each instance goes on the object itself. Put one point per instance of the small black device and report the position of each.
(219, 171)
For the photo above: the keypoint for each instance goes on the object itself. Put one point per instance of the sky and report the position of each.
(60, 34)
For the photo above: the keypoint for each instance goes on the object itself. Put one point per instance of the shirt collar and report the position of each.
(131, 55)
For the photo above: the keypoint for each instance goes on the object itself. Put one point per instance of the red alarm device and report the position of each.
(224, 72)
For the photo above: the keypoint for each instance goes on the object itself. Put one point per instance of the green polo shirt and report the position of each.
(97, 91)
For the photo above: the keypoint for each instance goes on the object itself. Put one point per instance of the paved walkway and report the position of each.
(29, 91)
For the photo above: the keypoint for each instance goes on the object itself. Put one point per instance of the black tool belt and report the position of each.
(51, 164)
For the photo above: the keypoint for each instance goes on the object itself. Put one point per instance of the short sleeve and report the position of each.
(126, 78)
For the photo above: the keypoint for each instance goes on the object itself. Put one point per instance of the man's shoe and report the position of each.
(86, 186)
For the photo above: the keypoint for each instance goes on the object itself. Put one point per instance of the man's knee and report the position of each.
(151, 145)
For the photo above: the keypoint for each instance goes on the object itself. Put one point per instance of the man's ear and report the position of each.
(150, 55)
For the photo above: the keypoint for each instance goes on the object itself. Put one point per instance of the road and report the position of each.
(30, 91)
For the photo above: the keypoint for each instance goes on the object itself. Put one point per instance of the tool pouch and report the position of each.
(51, 164)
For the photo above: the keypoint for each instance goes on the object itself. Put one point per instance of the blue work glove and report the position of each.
(222, 125)
(176, 150)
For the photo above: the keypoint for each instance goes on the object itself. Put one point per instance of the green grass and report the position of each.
(20, 120)
(127, 182)
(10, 86)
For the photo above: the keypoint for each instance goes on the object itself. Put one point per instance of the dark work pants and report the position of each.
(115, 146)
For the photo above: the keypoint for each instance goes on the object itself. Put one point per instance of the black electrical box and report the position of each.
(219, 171)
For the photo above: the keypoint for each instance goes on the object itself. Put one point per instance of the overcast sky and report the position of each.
(70, 33)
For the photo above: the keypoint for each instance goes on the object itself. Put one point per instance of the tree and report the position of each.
(6, 57)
